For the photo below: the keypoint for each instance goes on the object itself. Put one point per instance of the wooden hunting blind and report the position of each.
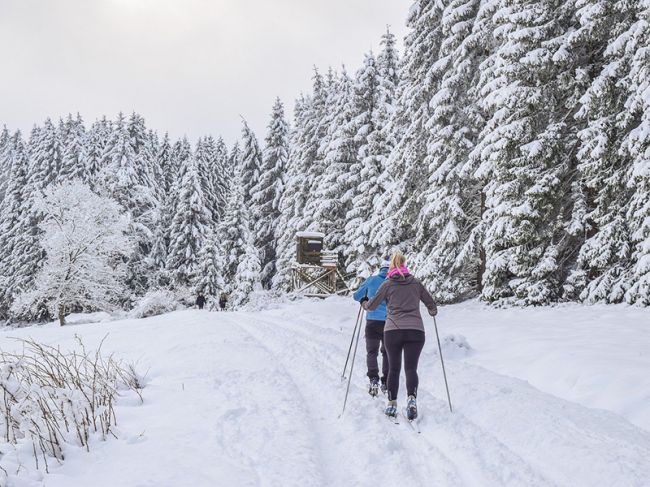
(310, 247)
(315, 271)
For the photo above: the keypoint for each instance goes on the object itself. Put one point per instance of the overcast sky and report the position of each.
(189, 66)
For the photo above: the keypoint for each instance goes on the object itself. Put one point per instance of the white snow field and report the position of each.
(253, 399)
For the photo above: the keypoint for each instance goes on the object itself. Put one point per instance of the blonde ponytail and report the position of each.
(397, 260)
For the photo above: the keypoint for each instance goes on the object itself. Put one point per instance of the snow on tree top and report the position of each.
(310, 235)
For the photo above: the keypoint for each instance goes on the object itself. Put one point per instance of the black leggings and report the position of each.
(411, 342)
(374, 345)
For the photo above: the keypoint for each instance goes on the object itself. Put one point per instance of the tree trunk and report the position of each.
(61, 314)
(481, 267)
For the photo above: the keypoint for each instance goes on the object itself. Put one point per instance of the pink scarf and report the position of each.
(401, 270)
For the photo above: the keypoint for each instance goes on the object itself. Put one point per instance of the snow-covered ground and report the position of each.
(253, 399)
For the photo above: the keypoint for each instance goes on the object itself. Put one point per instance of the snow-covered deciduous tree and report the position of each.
(85, 242)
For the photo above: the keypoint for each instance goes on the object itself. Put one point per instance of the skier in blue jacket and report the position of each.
(375, 321)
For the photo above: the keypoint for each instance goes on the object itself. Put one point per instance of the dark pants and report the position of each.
(374, 343)
(201, 305)
(411, 343)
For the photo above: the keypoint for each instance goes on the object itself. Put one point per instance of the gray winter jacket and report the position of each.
(403, 295)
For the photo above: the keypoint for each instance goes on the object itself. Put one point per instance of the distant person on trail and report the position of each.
(200, 300)
(223, 300)
(404, 330)
(374, 334)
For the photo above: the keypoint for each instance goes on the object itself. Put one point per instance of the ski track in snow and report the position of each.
(424, 454)
(253, 399)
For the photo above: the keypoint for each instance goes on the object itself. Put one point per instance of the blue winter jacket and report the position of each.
(369, 289)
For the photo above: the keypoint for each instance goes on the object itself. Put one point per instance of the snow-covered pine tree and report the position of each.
(157, 182)
(188, 229)
(304, 169)
(205, 155)
(234, 161)
(247, 277)
(164, 214)
(452, 200)
(291, 202)
(221, 174)
(84, 237)
(636, 147)
(526, 156)
(234, 231)
(338, 151)
(94, 147)
(600, 193)
(126, 176)
(251, 161)
(181, 155)
(164, 158)
(74, 159)
(14, 226)
(145, 151)
(405, 177)
(378, 95)
(361, 257)
(314, 202)
(268, 191)
(309, 138)
(5, 167)
(211, 280)
(45, 155)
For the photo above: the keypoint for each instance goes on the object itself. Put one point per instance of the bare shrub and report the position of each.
(51, 398)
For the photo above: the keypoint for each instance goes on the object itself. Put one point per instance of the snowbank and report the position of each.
(598, 356)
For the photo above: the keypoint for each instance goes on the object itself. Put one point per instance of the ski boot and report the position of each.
(384, 387)
(391, 409)
(373, 387)
(411, 409)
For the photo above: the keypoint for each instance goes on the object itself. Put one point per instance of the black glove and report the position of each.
(363, 300)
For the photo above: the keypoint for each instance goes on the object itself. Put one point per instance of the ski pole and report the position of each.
(444, 374)
(351, 340)
(351, 367)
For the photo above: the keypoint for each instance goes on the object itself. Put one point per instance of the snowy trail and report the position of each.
(253, 399)
(420, 460)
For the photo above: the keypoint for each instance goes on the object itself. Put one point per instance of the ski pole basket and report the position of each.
(316, 271)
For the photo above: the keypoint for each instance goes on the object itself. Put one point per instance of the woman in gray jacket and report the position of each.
(404, 330)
